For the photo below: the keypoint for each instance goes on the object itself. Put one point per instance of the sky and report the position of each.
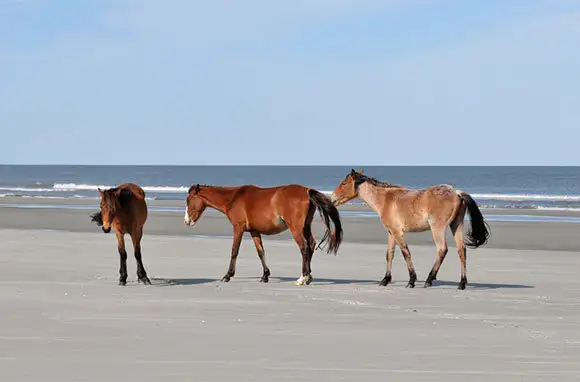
(295, 82)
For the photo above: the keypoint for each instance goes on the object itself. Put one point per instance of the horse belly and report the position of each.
(417, 224)
(270, 226)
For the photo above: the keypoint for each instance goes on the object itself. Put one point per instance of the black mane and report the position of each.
(361, 178)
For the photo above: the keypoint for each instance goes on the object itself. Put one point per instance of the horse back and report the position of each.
(134, 203)
(416, 210)
(269, 209)
(136, 190)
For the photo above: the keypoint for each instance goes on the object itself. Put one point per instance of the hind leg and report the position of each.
(311, 246)
(261, 255)
(399, 238)
(122, 258)
(390, 255)
(457, 230)
(441, 244)
(304, 245)
(141, 273)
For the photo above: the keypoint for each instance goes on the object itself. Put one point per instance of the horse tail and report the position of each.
(328, 213)
(480, 230)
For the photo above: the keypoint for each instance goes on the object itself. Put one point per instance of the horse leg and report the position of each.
(122, 257)
(457, 230)
(304, 246)
(399, 238)
(238, 234)
(262, 255)
(141, 273)
(311, 241)
(390, 255)
(441, 244)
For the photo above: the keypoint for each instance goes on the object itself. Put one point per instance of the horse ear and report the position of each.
(352, 172)
(196, 188)
(100, 191)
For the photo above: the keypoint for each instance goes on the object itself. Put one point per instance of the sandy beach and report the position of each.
(65, 319)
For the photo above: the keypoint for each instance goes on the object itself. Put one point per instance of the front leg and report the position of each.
(407, 255)
(122, 258)
(390, 255)
(238, 234)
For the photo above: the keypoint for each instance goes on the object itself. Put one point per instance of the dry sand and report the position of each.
(65, 319)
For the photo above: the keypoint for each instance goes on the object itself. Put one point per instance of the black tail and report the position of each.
(328, 212)
(97, 218)
(480, 231)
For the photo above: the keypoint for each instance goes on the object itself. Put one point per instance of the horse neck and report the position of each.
(218, 197)
(375, 196)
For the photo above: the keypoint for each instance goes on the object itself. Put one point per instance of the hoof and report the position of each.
(122, 283)
(410, 285)
(385, 281)
(264, 280)
(304, 280)
(462, 284)
(145, 280)
(225, 279)
(428, 284)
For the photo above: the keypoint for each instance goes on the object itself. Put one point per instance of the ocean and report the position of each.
(493, 187)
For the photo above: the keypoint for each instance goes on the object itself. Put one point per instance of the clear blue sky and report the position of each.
(350, 82)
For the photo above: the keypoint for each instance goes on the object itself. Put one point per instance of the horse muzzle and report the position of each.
(106, 230)
(334, 200)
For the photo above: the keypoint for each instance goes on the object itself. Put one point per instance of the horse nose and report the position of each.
(106, 230)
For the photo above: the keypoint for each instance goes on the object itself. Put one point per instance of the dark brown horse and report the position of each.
(404, 210)
(268, 211)
(124, 209)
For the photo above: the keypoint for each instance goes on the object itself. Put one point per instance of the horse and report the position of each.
(124, 209)
(268, 211)
(403, 210)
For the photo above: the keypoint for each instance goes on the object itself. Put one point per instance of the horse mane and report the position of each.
(196, 187)
(361, 178)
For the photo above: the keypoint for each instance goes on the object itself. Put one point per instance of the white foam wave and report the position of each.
(77, 187)
(558, 209)
(72, 187)
(93, 187)
(522, 197)
(26, 189)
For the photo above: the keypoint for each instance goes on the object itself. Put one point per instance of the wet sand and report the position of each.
(65, 319)
(166, 218)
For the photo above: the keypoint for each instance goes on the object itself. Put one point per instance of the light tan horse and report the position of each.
(124, 209)
(403, 210)
(268, 211)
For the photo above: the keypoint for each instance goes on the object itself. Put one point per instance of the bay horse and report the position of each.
(268, 211)
(124, 209)
(403, 210)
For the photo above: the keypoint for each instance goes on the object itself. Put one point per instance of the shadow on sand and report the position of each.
(157, 281)
(321, 280)
(471, 285)
(419, 284)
